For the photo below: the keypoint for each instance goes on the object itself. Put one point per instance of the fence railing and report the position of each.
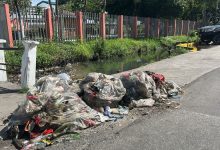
(29, 24)
(64, 26)
(111, 25)
(91, 25)
(41, 24)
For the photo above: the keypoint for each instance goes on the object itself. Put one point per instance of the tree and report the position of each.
(83, 5)
(183, 9)
(194, 9)
(20, 4)
(151, 8)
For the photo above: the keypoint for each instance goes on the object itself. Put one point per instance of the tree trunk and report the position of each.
(57, 7)
(19, 18)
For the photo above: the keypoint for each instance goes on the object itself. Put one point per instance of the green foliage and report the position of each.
(21, 3)
(13, 58)
(85, 5)
(23, 90)
(147, 8)
(152, 44)
(52, 54)
(173, 40)
(197, 9)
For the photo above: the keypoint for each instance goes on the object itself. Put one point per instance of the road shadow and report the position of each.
(8, 91)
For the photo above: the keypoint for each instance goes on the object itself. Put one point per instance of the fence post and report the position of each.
(158, 28)
(120, 27)
(6, 27)
(194, 24)
(135, 27)
(182, 27)
(28, 67)
(167, 24)
(145, 27)
(188, 27)
(79, 17)
(174, 33)
(148, 26)
(49, 24)
(102, 26)
(3, 73)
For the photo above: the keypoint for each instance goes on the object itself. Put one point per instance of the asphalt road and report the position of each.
(196, 126)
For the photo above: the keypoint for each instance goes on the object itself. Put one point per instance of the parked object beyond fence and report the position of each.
(36, 23)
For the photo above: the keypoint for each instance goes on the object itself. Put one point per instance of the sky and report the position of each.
(34, 2)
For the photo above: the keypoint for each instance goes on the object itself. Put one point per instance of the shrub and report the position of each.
(51, 54)
(173, 40)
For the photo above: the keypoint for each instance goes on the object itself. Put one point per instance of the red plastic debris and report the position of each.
(158, 77)
(32, 97)
(37, 120)
(47, 131)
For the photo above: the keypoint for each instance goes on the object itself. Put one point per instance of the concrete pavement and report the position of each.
(9, 99)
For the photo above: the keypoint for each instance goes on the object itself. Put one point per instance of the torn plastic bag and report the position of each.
(53, 102)
(139, 85)
(172, 88)
(64, 76)
(70, 109)
(91, 77)
(102, 90)
(143, 102)
(49, 84)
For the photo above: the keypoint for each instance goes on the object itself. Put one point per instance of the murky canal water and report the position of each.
(111, 66)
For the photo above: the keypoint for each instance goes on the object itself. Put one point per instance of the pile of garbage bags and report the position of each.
(57, 106)
(102, 90)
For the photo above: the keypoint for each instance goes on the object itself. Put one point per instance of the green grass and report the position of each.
(52, 54)
(173, 40)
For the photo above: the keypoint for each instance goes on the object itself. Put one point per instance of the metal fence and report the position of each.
(185, 27)
(91, 25)
(163, 27)
(153, 27)
(111, 25)
(29, 24)
(141, 27)
(127, 26)
(65, 27)
(33, 23)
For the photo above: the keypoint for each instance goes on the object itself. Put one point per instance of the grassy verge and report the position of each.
(173, 40)
(51, 54)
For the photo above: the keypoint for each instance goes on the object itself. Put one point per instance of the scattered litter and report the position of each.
(122, 110)
(64, 77)
(143, 103)
(145, 88)
(57, 107)
(51, 108)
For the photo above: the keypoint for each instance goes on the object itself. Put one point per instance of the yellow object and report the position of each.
(47, 142)
(188, 45)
